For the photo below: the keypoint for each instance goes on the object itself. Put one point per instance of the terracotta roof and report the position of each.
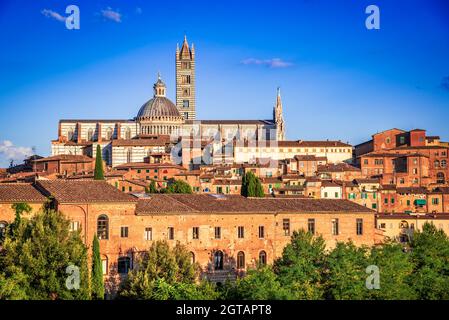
(313, 179)
(440, 190)
(337, 167)
(20, 192)
(367, 180)
(412, 190)
(175, 203)
(380, 154)
(139, 182)
(305, 158)
(330, 184)
(292, 176)
(270, 180)
(68, 191)
(290, 188)
(317, 144)
(388, 187)
(188, 173)
(437, 216)
(419, 147)
(233, 182)
(66, 158)
(145, 165)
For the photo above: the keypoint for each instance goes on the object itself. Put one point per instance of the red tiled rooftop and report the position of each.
(20, 192)
(80, 191)
(173, 203)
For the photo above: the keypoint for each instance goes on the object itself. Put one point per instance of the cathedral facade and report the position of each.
(160, 124)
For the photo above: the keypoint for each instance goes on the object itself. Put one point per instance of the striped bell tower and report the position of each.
(185, 80)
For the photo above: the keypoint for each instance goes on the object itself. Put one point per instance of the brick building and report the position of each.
(225, 234)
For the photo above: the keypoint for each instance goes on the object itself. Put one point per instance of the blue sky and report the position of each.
(338, 79)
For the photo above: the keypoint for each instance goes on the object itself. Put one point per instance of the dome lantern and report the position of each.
(159, 87)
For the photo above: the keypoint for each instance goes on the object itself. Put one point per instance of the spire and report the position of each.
(278, 107)
(278, 117)
(185, 50)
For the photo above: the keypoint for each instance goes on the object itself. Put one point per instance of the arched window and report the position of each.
(70, 134)
(3, 225)
(104, 264)
(123, 265)
(90, 134)
(109, 134)
(443, 163)
(262, 258)
(192, 257)
(240, 260)
(218, 260)
(436, 163)
(103, 227)
(440, 177)
(128, 134)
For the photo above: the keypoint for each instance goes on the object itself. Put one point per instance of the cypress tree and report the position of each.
(259, 189)
(244, 189)
(251, 184)
(98, 173)
(97, 271)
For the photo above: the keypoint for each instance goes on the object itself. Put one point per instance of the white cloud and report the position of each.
(112, 15)
(271, 63)
(11, 152)
(52, 14)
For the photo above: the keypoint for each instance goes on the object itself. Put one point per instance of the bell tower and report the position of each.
(185, 80)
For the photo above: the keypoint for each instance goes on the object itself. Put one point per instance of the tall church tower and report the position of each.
(185, 80)
(278, 118)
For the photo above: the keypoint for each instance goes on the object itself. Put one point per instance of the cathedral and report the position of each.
(160, 124)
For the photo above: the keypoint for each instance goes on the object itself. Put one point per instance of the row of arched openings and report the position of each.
(91, 134)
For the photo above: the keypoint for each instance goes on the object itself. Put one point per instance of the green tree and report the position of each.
(166, 274)
(19, 208)
(244, 188)
(152, 188)
(259, 189)
(430, 256)
(34, 261)
(301, 266)
(395, 267)
(99, 172)
(252, 183)
(178, 186)
(260, 284)
(97, 271)
(346, 276)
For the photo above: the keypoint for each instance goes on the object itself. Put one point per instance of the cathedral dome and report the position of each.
(158, 107)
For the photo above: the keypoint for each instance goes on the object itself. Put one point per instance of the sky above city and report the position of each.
(339, 80)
